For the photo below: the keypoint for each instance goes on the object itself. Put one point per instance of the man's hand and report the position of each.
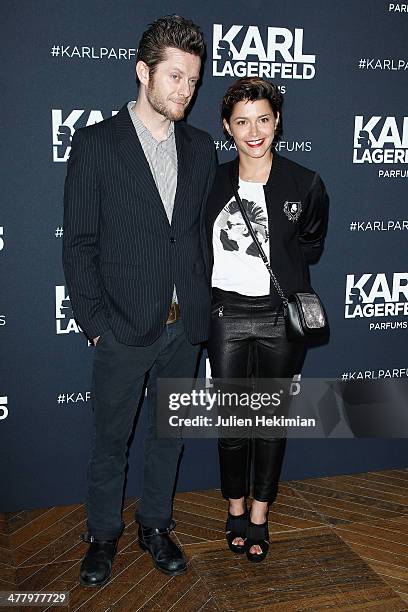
(95, 340)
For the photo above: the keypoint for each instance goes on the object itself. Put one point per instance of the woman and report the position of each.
(287, 205)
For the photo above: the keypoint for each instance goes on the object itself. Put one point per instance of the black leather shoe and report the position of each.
(96, 566)
(167, 556)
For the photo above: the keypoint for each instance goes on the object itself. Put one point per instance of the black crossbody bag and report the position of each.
(305, 316)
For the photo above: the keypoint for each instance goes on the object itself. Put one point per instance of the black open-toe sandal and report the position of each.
(237, 527)
(258, 535)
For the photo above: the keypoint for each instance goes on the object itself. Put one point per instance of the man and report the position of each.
(135, 264)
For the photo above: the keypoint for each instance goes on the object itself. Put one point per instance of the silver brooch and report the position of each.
(292, 210)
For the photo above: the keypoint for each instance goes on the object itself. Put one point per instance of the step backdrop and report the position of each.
(343, 70)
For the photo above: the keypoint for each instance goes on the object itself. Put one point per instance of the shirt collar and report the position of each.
(140, 126)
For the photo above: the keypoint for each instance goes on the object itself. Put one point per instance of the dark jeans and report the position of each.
(119, 372)
(250, 340)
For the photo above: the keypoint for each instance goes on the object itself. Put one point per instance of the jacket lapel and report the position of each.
(185, 163)
(131, 152)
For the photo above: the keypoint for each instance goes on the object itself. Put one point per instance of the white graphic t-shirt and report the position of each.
(237, 264)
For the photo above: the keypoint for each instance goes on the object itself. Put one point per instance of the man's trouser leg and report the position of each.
(176, 359)
(118, 377)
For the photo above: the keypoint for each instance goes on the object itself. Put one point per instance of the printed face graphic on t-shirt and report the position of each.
(234, 234)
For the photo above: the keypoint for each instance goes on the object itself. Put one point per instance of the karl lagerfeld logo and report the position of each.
(398, 8)
(373, 295)
(380, 140)
(63, 313)
(292, 210)
(267, 52)
(63, 129)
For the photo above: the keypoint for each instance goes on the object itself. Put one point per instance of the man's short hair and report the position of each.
(252, 88)
(169, 31)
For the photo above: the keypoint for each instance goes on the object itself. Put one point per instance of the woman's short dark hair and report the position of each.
(170, 31)
(252, 88)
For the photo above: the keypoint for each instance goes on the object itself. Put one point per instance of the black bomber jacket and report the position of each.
(297, 205)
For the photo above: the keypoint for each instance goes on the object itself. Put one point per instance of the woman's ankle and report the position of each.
(259, 512)
(237, 507)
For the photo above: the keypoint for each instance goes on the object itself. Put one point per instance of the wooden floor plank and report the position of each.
(6, 557)
(375, 491)
(201, 511)
(43, 549)
(383, 568)
(367, 552)
(47, 574)
(139, 594)
(172, 592)
(337, 543)
(208, 524)
(4, 540)
(195, 598)
(7, 573)
(394, 475)
(293, 518)
(337, 493)
(378, 535)
(44, 523)
(18, 520)
(187, 535)
(209, 606)
(401, 586)
(336, 509)
(376, 482)
(317, 569)
(7, 585)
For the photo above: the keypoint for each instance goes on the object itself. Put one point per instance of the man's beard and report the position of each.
(159, 104)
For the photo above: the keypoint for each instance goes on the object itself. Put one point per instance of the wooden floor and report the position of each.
(338, 543)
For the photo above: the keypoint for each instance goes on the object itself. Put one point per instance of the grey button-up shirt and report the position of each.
(162, 158)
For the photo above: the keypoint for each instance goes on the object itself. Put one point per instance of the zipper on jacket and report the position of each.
(221, 311)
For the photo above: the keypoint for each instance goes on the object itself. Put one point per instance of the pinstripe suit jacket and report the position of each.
(121, 255)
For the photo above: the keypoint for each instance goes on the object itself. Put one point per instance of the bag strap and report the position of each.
(257, 243)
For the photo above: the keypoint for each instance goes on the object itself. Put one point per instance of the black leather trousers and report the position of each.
(249, 340)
